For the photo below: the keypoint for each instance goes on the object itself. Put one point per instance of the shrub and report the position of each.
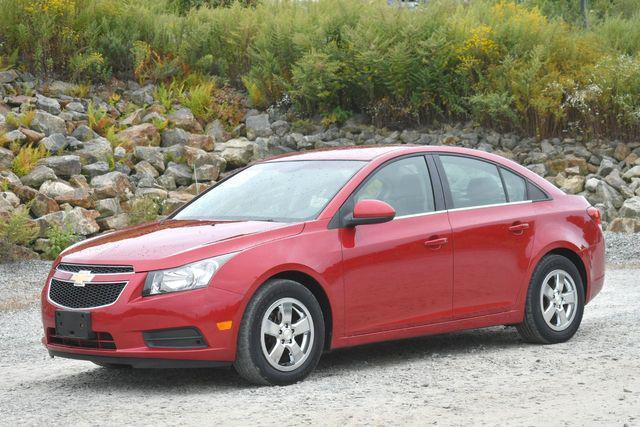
(198, 99)
(144, 209)
(59, 239)
(17, 228)
(27, 158)
(516, 65)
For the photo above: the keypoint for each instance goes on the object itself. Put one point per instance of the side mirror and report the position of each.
(370, 212)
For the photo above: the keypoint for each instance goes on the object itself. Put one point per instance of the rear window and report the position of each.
(515, 184)
(472, 182)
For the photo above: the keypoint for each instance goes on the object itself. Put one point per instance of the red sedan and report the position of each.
(321, 250)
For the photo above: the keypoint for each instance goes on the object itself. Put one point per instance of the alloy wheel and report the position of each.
(558, 299)
(287, 334)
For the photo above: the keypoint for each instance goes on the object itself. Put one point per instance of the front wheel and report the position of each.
(555, 302)
(281, 335)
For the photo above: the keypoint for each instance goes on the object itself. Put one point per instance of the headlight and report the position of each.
(191, 276)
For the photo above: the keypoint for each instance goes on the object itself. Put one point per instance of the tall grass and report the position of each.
(528, 67)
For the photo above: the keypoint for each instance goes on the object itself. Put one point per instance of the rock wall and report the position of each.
(90, 183)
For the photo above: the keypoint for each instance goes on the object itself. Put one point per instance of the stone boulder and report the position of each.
(95, 169)
(54, 143)
(112, 184)
(144, 168)
(78, 197)
(184, 118)
(6, 158)
(8, 201)
(153, 155)
(8, 76)
(142, 134)
(181, 173)
(38, 175)
(175, 200)
(48, 123)
(573, 184)
(624, 225)
(237, 152)
(63, 166)
(50, 105)
(55, 189)
(84, 133)
(82, 221)
(258, 126)
(631, 208)
(96, 150)
(108, 207)
(42, 205)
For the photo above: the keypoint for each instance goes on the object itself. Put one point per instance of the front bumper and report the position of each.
(125, 321)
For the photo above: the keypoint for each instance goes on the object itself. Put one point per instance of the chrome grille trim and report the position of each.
(96, 269)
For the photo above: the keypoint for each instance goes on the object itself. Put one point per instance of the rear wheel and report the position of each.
(281, 336)
(555, 302)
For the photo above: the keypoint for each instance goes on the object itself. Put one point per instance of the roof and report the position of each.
(365, 153)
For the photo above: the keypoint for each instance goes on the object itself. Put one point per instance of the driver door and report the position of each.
(398, 274)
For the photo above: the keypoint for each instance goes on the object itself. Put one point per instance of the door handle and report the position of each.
(436, 243)
(519, 228)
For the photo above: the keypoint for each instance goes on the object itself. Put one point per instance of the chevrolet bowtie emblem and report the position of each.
(81, 278)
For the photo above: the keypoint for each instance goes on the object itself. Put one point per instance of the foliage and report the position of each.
(98, 119)
(59, 239)
(336, 117)
(27, 158)
(144, 209)
(198, 100)
(17, 228)
(522, 66)
(15, 121)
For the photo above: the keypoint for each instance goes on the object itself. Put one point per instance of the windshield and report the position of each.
(278, 191)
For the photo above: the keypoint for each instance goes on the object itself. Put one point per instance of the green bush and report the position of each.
(144, 209)
(59, 239)
(524, 66)
(17, 228)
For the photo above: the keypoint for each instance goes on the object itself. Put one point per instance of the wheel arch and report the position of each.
(572, 254)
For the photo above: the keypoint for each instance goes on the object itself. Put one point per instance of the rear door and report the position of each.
(399, 273)
(493, 227)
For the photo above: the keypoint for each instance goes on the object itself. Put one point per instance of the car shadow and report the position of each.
(368, 357)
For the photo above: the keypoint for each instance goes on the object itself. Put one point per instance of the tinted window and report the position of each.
(403, 184)
(472, 182)
(516, 186)
(277, 191)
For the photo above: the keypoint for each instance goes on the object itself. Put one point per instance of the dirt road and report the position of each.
(479, 377)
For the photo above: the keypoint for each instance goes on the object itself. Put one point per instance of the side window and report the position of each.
(404, 184)
(472, 182)
(516, 186)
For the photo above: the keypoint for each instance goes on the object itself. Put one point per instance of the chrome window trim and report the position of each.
(133, 271)
(89, 283)
(522, 202)
(419, 214)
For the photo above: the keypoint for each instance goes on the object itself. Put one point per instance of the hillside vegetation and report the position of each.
(529, 67)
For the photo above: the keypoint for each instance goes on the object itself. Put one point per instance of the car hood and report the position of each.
(171, 243)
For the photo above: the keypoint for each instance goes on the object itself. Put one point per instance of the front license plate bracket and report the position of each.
(74, 324)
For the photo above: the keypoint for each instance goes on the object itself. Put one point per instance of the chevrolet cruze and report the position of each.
(306, 253)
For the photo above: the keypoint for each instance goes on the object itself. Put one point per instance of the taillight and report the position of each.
(595, 215)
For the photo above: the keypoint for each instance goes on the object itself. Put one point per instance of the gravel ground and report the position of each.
(486, 376)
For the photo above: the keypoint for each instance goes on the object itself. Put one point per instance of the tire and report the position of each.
(552, 315)
(258, 337)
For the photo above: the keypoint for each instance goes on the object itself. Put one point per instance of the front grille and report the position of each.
(88, 296)
(100, 340)
(95, 269)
